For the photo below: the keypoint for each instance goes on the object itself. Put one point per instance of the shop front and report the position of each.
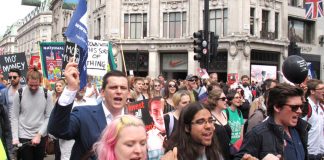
(174, 65)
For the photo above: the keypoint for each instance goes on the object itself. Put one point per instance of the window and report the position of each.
(265, 20)
(218, 21)
(98, 36)
(276, 25)
(301, 31)
(174, 24)
(252, 16)
(293, 3)
(135, 26)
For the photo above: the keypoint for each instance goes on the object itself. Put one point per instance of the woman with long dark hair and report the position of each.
(194, 137)
(169, 90)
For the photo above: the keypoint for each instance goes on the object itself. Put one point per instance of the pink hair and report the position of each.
(105, 147)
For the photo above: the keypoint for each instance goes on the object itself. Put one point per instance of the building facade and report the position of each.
(8, 44)
(156, 35)
(36, 28)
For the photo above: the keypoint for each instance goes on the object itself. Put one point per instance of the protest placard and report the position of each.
(97, 61)
(18, 61)
(68, 53)
(151, 112)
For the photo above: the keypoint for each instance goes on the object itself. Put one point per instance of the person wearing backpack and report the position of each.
(315, 116)
(235, 119)
(180, 100)
(31, 110)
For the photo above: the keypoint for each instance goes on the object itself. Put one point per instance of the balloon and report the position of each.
(295, 69)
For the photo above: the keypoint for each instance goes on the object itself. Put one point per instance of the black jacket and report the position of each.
(5, 130)
(268, 137)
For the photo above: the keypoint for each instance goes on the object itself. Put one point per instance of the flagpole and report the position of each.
(74, 53)
(122, 55)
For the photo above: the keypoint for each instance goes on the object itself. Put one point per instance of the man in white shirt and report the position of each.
(315, 116)
(85, 124)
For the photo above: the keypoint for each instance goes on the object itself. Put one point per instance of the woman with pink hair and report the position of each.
(124, 138)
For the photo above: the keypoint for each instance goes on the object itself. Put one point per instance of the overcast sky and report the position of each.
(10, 12)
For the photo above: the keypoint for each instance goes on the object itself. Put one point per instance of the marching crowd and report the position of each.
(198, 119)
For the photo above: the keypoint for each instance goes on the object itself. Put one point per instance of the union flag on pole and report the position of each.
(314, 9)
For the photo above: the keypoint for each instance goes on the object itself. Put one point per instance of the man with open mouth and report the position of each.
(284, 134)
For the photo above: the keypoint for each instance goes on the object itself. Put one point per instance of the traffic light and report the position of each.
(200, 47)
(293, 49)
(213, 46)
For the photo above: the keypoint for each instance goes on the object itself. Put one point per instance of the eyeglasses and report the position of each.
(12, 77)
(146, 84)
(294, 108)
(170, 86)
(223, 98)
(203, 121)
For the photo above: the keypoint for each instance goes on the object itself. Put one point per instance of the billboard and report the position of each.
(31, 2)
(70, 4)
(259, 73)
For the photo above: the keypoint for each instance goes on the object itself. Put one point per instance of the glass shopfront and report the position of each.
(174, 65)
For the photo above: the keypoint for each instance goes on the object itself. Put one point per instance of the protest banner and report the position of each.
(97, 62)
(51, 58)
(151, 112)
(17, 60)
(68, 53)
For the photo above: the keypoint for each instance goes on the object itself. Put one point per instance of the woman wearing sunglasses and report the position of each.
(172, 88)
(146, 89)
(217, 104)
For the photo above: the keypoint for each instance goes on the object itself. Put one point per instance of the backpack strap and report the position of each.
(45, 93)
(227, 113)
(20, 90)
(171, 123)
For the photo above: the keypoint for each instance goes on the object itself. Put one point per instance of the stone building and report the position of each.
(8, 44)
(156, 35)
(36, 27)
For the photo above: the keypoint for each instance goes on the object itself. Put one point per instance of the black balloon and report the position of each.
(295, 69)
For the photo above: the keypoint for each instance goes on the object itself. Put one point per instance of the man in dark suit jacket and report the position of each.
(85, 124)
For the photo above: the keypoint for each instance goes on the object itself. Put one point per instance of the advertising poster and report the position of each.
(17, 60)
(70, 4)
(259, 73)
(151, 112)
(51, 56)
(97, 62)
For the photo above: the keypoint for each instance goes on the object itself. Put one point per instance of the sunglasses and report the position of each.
(156, 85)
(146, 84)
(192, 80)
(12, 77)
(170, 86)
(294, 108)
(237, 97)
(223, 98)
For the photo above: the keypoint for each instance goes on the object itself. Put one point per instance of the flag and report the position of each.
(77, 32)
(111, 60)
(314, 9)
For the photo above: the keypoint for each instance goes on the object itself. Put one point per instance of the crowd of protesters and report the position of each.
(200, 119)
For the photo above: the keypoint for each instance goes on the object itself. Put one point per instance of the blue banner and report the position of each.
(77, 32)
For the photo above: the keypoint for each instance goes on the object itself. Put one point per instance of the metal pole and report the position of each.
(206, 31)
